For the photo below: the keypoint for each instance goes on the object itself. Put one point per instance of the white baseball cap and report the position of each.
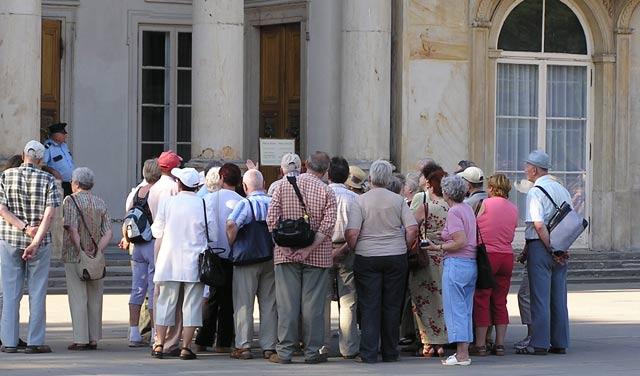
(34, 149)
(472, 174)
(188, 176)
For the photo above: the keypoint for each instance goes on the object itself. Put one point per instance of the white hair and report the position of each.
(253, 179)
(213, 180)
(84, 177)
(380, 173)
(454, 187)
(412, 181)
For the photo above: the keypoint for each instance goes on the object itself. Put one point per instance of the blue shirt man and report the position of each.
(58, 156)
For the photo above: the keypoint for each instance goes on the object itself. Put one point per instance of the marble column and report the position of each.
(217, 78)
(20, 40)
(366, 79)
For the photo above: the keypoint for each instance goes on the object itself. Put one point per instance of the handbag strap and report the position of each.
(548, 196)
(426, 213)
(84, 222)
(479, 239)
(292, 180)
(206, 221)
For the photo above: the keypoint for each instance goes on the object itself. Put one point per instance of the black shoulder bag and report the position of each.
(294, 233)
(210, 266)
(485, 280)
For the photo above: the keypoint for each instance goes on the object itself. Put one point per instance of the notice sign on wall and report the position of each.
(272, 150)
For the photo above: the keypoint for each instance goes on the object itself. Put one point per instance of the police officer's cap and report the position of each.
(57, 128)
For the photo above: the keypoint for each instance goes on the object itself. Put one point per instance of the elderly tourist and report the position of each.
(497, 221)
(475, 181)
(290, 165)
(411, 186)
(425, 284)
(218, 312)
(301, 273)
(426, 170)
(460, 269)
(142, 255)
(547, 268)
(212, 181)
(28, 201)
(341, 274)
(180, 228)
(357, 181)
(88, 229)
(255, 277)
(380, 228)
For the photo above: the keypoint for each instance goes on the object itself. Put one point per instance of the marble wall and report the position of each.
(436, 83)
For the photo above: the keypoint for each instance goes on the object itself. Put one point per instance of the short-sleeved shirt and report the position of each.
(321, 205)
(219, 205)
(26, 191)
(461, 218)
(94, 211)
(344, 198)
(241, 214)
(58, 157)
(497, 224)
(539, 208)
(165, 187)
(382, 218)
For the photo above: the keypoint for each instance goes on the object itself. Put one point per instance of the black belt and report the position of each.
(527, 241)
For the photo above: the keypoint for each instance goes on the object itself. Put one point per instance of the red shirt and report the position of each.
(321, 205)
(498, 224)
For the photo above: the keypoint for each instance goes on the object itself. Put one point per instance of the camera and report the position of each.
(424, 243)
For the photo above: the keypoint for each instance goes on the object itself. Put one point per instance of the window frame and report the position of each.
(543, 60)
(171, 88)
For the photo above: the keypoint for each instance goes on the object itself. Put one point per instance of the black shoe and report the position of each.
(406, 341)
(316, 360)
(390, 359)
(21, 344)
(360, 359)
(557, 350)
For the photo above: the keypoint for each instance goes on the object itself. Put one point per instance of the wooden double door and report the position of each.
(279, 87)
(51, 52)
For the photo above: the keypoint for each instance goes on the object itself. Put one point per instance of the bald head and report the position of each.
(253, 181)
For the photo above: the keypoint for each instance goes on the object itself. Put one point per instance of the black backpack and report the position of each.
(137, 222)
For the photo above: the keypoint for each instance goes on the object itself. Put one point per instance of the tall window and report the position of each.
(542, 95)
(164, 95)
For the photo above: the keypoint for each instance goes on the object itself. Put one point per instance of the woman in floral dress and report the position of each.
(425, 284)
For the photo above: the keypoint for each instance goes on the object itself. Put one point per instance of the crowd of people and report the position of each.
(382, 241)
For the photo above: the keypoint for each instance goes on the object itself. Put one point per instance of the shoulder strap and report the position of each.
(478, 234)
(206, 221)
(426, 213)
(292, 180)
(84, 222)
(253, 214)
(548, 195)
(478, 208)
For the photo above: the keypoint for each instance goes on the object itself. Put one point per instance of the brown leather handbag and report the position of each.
(417, 255)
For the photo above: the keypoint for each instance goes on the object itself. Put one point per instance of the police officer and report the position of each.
(58, 156)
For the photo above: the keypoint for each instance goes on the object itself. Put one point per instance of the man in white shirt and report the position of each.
(218, 311)
(341, 274)
(546, 267)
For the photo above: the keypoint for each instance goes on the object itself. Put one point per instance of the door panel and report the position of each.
(279, 86)
(50, 72)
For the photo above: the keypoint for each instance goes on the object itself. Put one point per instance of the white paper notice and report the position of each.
(272, 150)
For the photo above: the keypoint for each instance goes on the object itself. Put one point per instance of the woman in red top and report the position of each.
(497, 221)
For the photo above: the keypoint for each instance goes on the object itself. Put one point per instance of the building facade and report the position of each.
(486, 80)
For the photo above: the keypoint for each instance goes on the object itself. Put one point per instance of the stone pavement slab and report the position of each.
(605, 324)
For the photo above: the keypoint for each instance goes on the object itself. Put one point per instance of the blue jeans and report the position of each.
(548, 285)
(14, 271)
(458, 285)
(143, 268)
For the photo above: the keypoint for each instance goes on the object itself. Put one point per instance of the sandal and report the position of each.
(440, 351)
(531, 351)
(244, 354)
(498, 350)
(428, 351)
(187, 354)
(478, 350)
(155, 353)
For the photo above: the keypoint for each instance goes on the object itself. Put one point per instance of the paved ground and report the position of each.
(605, 341)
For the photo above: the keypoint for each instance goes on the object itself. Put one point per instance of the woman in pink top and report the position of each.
(497, 221)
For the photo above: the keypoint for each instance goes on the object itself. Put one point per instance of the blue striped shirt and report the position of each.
(241, 214)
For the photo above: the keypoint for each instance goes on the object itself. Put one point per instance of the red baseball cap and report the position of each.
(169, 159)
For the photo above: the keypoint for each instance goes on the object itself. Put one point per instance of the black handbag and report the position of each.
(485, 280)
(253, 244)
(210, 267)
(294, 233)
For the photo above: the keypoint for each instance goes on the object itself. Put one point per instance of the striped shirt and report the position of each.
(241, 214)
(344, 198)
(94, 211)
(26, 191)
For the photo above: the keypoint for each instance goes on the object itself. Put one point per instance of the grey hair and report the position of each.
(151, 170)
(213, 179)
(455, 188)
(84, 177)
(412, 181)
(395, 185)
(380, 173)
(318, 162)
(253, 179)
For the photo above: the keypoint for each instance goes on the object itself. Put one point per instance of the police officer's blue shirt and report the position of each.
(58, 157)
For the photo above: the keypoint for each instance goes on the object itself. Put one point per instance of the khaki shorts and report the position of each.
(165, 307)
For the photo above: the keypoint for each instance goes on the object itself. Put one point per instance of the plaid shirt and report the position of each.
(94, 211)
(26, 191)
(321, 205)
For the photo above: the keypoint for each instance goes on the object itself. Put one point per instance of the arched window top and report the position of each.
(533, 24)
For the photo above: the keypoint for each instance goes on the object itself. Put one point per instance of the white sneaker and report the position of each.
(453, 361)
